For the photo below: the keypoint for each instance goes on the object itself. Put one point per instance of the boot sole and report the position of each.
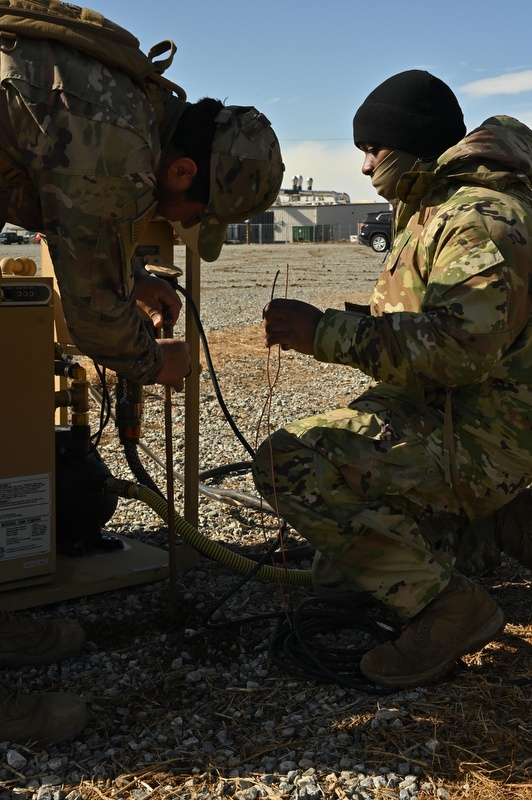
(487, 633)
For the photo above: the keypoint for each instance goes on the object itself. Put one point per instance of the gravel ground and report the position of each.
(184, 704)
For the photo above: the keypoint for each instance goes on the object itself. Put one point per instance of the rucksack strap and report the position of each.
(88, 31)
(92, 33)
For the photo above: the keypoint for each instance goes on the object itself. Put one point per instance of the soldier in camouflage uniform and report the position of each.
(444, 436)
(82, 161)
(81, 158)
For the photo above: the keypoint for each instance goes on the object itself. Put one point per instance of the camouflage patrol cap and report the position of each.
(246, 174)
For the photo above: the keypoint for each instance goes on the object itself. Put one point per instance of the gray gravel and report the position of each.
(181, 709)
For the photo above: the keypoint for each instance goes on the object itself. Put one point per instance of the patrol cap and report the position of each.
(245, 177)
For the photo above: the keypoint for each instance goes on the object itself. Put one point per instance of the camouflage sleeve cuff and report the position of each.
(141, 363)
(333, 342)
(145, 370)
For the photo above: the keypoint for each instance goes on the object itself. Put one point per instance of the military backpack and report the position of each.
(95, 35)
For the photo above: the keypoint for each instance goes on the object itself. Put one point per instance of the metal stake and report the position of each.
(169, 449)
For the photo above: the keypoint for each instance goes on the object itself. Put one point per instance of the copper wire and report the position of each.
(266, 414)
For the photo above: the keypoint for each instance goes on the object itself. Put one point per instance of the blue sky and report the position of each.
(308, 64)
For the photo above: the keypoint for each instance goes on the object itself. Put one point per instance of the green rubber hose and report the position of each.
(202, 543)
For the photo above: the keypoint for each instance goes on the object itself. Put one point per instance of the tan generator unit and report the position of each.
(27, 441)
(53, 507)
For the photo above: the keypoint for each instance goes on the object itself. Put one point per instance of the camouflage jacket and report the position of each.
(86, 137)
(449, 319)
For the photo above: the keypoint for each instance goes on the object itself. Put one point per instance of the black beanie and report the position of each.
(412, 111)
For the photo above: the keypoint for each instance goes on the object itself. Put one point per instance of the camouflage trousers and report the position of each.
(364, 489)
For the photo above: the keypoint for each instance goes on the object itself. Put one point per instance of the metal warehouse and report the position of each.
(305, 215)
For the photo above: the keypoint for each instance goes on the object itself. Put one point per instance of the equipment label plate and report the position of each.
(25, 515)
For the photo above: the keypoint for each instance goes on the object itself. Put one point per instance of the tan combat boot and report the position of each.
(28, 640)
(40, 718)
(462, 619)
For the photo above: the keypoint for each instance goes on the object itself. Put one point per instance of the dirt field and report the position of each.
(321, 273)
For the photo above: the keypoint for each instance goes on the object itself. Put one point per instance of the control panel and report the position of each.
(25, 293)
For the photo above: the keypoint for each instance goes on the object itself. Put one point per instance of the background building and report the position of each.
(305, 215)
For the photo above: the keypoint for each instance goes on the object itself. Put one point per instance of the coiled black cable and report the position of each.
(296, 647)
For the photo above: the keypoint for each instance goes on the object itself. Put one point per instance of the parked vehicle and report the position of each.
(10, 237)
(376, 230)
(30, 237)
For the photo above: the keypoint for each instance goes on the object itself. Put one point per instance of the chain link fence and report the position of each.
(283, 233)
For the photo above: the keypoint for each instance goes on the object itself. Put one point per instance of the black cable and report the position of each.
(295, 647)
(235, 587)
(292, 648)
(105, 406)
(241, 438)
(138, 469)
(215, 472)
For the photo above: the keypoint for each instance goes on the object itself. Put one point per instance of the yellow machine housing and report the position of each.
(29, 326)
(27, 448)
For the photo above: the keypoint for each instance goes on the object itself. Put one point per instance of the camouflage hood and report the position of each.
(502, 139)
(497, 154)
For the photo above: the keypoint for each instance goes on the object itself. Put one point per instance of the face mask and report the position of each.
(387, 173)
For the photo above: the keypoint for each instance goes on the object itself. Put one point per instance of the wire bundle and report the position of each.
(298, 647)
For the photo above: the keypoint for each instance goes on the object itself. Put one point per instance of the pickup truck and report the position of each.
(10, 237)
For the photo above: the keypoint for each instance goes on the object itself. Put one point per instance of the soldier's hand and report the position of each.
(291, 324)
(158, 300)
(176, 365)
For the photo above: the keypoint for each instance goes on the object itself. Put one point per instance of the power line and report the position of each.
(343, 139)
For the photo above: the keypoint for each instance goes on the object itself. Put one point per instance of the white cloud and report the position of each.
(331, 166)
(514, 83)
(526, 117)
